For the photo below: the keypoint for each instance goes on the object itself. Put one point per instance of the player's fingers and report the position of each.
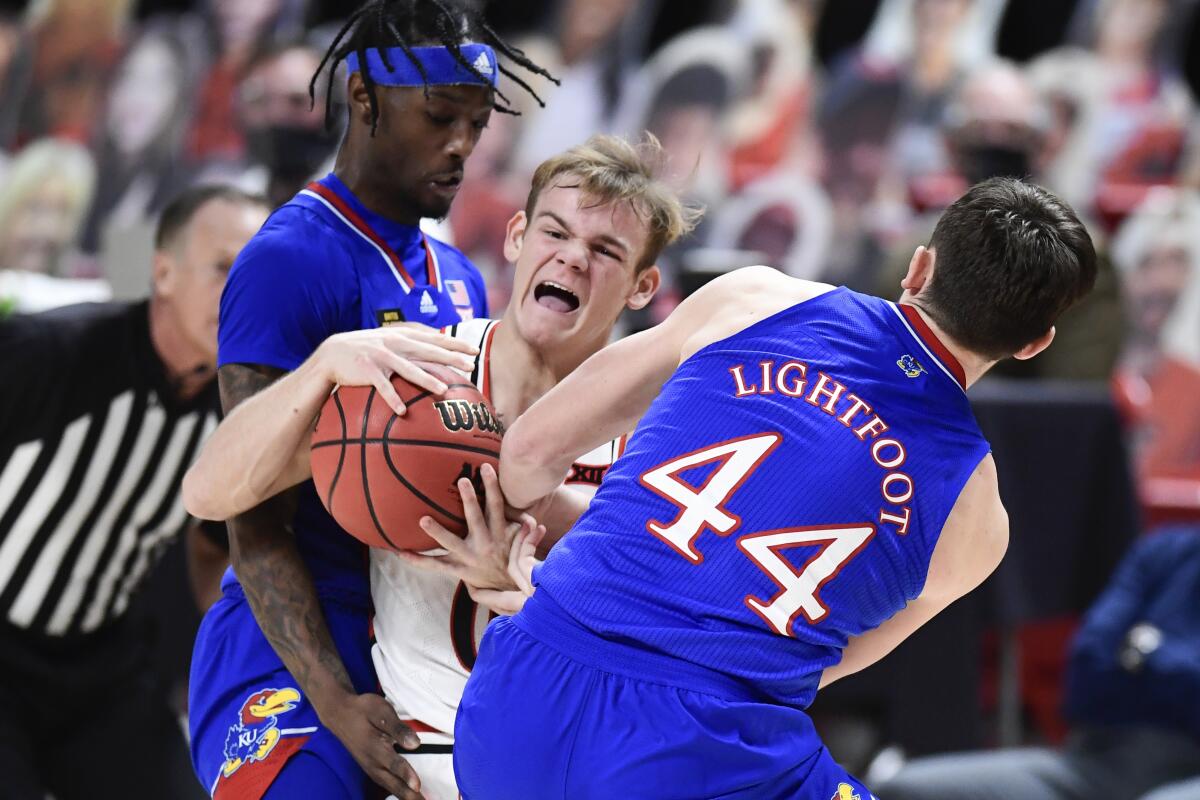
(504, 603)
(471, 509)
(385, 720)
(415, 375)
(392, 783)
(388, 393)
(435, 352)
(445, 538)
(443, 565)
(405, 772)
(416, 330)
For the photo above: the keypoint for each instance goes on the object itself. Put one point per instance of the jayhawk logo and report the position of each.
(846, 792)
(912, 368)
(257, 732)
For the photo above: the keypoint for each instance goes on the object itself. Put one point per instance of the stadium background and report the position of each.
(823, 138)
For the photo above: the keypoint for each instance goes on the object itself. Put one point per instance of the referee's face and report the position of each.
(190, 275)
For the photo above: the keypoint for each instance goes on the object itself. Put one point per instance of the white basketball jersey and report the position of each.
(427, 627)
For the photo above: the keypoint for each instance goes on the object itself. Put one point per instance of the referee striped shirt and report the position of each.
(93, 448)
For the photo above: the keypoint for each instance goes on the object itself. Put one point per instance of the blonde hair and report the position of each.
(609, 169)
(48, 162)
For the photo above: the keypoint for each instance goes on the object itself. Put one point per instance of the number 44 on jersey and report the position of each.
(704, 508)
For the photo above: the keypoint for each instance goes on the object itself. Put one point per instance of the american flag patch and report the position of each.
(456, 290)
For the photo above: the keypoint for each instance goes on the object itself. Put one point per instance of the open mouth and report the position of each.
(555, 297)
(448, 183)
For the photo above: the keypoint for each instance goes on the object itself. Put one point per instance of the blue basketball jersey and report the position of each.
(324, 264)
(783, 493)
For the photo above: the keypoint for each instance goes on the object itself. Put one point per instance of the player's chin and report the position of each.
(437, 198)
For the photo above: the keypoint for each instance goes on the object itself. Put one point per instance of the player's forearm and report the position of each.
(260, 448)
(601, 400)
(282, 596)
(566, 506)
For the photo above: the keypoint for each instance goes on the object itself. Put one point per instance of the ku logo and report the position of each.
(912, 368)
(257, 731)
(845, 792)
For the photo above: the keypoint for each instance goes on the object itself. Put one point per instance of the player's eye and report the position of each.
(438, 119)
(556, 234)
(481, 124)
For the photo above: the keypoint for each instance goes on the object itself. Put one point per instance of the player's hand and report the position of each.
(480, 559)
(521, 561)
(369, 728)
(372, 357)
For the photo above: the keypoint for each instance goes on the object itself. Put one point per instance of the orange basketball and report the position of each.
(378, 473)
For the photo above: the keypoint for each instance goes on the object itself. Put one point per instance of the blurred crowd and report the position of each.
(822, 137)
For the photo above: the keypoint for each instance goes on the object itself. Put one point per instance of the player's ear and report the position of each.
(644, 287)
(514, 236)
(1036, 346)
(360, 101)
(920, 269)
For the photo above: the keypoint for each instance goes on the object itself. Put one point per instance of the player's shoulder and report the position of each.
(759, 290)
(293, 246)
(738, 299)
(974, 537)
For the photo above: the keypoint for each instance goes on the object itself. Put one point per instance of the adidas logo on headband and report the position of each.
(483, 63)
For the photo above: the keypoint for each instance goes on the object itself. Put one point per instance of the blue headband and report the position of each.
(441, 67)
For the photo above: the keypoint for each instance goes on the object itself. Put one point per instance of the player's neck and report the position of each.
(974, 365)
(372, 190)
(188, 368)
(527, 374)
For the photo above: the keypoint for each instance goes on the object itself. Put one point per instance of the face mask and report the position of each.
(290, 151)
(983, 161)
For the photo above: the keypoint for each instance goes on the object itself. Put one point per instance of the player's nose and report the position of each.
(573, 254)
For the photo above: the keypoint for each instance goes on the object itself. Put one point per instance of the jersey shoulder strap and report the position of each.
(478, 332)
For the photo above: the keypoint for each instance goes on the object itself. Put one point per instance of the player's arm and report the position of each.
(207, 557)
(607, 394)
(970, 547)
(261, 447)
(283, 598)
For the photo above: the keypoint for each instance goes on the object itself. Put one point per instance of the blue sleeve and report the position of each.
(287, 292)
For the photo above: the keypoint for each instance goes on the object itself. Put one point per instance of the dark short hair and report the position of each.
(179, 212)
(1010, 258)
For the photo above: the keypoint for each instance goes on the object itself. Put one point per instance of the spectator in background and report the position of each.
(113, 402)
(1133, 697)
(74, 45)
(769, 128)
(996, 125)
(1132, 107)
(42, 202)
(138, 147)
(589, 50)
(286, 139)
(1158, 384)
(880, 114)
(238, 29)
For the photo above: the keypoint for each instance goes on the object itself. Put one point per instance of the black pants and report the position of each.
(87, 720)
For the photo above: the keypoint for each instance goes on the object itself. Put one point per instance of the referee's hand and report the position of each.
(369, 728)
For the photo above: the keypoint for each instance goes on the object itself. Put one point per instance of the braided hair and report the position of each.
(384, 24)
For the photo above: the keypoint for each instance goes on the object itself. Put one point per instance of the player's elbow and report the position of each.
(198, 499)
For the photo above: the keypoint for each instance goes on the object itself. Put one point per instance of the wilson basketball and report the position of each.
(378, 473)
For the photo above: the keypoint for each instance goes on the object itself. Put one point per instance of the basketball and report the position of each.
(378, 473)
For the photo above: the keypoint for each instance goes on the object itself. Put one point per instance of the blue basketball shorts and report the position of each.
(553, 712)
(250, 718)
